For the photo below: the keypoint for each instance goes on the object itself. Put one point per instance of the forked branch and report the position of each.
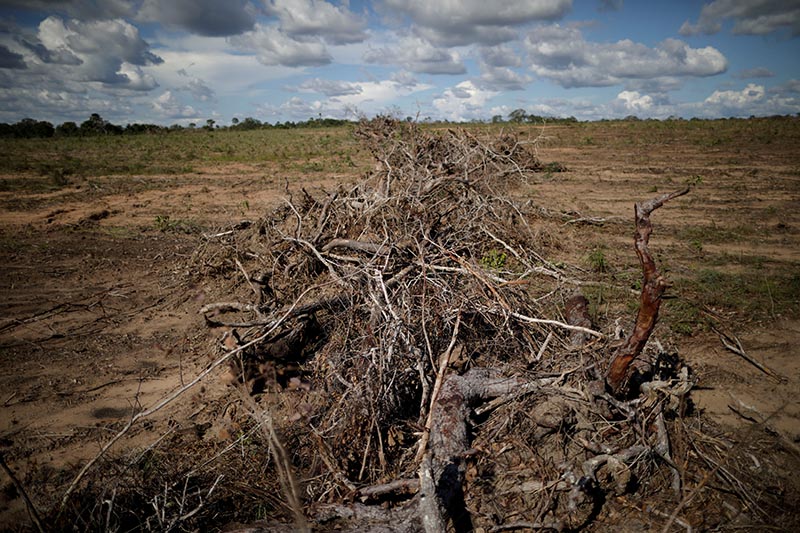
(653, 287)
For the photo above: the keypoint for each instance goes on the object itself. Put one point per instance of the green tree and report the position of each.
(518, 116)
(67, 129)
(94, 125)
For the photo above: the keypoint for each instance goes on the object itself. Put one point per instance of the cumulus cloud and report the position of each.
(403, 77)
(59, 56)
(330, 87)
(496, 74)
(750, 18)
(635, 102)
(752, 100)
(737, 99)
(500, 56)
(57, 105)
(106, 51)
(317, 18)
(211, 18)
(417, 55)
(167, 105)
(199, 90)
(502, 78)
(791, 86)
(273, 47)
(373, 97)
(463, 22)
(564, 56)
(464, 101)
(135, 79)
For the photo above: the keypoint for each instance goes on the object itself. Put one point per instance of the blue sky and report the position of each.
(183, 61)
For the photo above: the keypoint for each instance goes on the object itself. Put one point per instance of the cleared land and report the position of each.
(100, 291)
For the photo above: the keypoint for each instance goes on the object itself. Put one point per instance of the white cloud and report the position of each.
(751, 17)
(330, 87)
(199, 90)
(417, 55)
(465, 101)
(317, 18)
(462, 22)
(136, 79)
(273, 47)
(564, 56)
(403, 77)
(167, 105)
(109, 51)
(219, 69)
(203, 17)
(635, 102)
(737, 99)
(373, 97)
(500, 56)
(752, 100)
(57, 105)
(502, 78)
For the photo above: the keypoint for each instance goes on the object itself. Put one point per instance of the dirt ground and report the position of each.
(99, 311)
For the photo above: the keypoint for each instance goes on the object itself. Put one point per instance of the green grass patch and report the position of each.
(179, 151)
(751, 295)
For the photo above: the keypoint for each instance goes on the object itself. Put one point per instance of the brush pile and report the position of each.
(411, 344)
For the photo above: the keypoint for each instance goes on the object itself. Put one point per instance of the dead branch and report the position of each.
(34, 514)
(359, 246)
(653, 287)
(399, 486)
(420, 280)
(734, 345)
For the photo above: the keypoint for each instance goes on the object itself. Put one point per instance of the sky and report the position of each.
(184, 61)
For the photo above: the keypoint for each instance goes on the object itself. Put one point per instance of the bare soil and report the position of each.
(99, 301)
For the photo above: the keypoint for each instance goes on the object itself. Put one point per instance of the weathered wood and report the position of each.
(653, 287)
(577, 314)
(449, 442)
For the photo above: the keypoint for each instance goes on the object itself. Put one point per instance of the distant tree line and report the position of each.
(520, 116)
(96, 125)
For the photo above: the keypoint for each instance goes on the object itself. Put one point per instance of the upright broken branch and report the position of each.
(653, 287)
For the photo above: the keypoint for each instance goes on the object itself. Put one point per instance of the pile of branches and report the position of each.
(440, 364)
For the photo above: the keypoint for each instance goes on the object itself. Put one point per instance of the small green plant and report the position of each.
(695, 180)
(494, 260)
(165, 223)
(597, 260)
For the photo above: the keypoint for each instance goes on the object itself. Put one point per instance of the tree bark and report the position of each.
(653, 287)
